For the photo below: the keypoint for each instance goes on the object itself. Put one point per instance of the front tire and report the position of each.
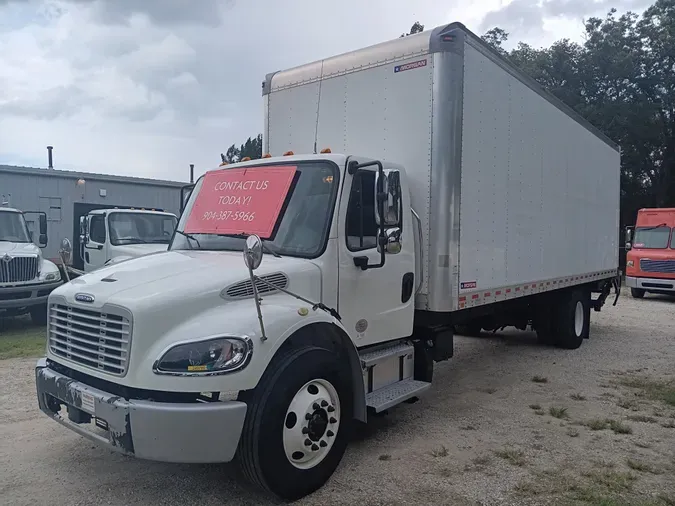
(573, 322)
(637, 293)
(297, 424)
(38, 315)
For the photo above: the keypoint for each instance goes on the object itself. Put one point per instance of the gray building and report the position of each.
(66, 195)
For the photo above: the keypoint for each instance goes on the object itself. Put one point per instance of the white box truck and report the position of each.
(464, 195)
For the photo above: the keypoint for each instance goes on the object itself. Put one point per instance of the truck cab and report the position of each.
(26, 277)
(650, 253)
(113, 235)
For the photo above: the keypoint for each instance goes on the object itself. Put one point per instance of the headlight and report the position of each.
(630, 263)
(53, 276)
(211, 356)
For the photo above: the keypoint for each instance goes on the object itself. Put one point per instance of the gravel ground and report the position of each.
(486, 433)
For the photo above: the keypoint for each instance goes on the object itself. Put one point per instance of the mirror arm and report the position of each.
(353, 168)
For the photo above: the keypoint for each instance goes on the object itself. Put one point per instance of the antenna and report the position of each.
(318, 106)
(192, 173)
(49, 157)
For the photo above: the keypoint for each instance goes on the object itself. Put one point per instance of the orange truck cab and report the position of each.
(650, 253)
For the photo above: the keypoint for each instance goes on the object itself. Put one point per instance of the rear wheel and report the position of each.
(297, 424)
(637, 293)
(573, 320)
(38, 314)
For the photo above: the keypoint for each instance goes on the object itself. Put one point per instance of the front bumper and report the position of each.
(26, 295)
(161, 431)
(651, 284)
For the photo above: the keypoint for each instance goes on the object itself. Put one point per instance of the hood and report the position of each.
(19, 249)
(135, 250)
(180, 277)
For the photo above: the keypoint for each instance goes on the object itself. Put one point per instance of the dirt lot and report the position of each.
(506, 422)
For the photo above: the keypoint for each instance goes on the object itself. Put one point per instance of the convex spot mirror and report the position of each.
(66, 250)
(393, 205)
(253, 252)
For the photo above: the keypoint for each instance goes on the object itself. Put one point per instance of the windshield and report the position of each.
(303, 224)
(13, 227)
(651, 238)
(140, 228)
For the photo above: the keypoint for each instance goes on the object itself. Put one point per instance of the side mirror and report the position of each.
(66, 250)
(43, 240)
(393, 241)
(43, 224)
(391, 194)
(83, 230)
(253, 252)
(628, 245)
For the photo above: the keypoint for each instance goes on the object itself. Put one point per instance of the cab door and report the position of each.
(95, 242)
(376, 291)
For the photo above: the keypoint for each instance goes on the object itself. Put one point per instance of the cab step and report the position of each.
(383, 354)
(396, 393)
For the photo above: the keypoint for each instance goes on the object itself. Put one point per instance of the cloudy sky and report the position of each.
(145, 87)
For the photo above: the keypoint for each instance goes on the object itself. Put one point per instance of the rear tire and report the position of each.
(637, 293)
(573, 320)
(38, 314)
(304, 396)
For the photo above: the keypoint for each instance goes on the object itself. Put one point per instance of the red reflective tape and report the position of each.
(462, 299)
(487, 294)
(474, 296)
(498, 292)
(517, 289)
(508, 290)
(534, 285)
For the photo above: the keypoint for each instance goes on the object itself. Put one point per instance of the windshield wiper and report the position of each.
(654, 227)
(244, 236)
(188, 236)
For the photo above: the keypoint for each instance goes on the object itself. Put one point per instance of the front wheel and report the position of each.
(296, 427)
(637, 293)
(38, 314)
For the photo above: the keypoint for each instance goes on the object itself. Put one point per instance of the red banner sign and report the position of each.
(240, 201)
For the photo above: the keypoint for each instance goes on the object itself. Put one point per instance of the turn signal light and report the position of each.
(267, 155)
(325, 150)
(222, 164)
(289, 153)
(246, 159)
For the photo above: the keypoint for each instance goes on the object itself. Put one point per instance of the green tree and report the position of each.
(417, 27)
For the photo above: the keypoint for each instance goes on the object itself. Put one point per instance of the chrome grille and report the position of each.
(91, 338)
(662, 266)
(245, 288)
(18, 269)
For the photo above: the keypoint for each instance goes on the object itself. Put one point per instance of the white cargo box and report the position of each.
(517, 193)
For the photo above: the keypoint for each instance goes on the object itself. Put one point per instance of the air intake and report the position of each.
(244, 289)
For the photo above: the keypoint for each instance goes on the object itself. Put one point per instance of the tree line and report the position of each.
(621, 78)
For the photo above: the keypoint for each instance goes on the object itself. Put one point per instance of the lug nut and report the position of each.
(308, 442)
(316, 406)
(332, 420)
(324, 404)
(330, 409)
(314, 448)
(308, 416)
(305, 430)
(323, 444)
(330, 433)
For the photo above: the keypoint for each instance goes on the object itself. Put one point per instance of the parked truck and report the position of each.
(26, 277)
(650, 253)
(442, 187)
(114, 235)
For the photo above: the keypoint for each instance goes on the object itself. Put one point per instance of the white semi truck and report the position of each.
(26, 277)
(463, 195)
(114, 235)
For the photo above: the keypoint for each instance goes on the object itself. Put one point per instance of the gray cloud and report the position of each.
(526, 17)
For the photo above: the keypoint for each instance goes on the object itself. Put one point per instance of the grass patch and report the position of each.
(642, 418)
(440, 452)
(631, 404)
(384, 458)
(597, 424)
(670, 424)
(643, 444)
(513, 457)
(487, 390)
(539, 412)
(578, 397)
(560, 413)
(19, 338)
(655, 390)
(539, 379)
(479, 463)
(468, 427)
(535, 406)
(619, 428)
(642, 467)
(572, 432)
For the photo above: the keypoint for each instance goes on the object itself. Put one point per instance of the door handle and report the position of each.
(407, 285)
